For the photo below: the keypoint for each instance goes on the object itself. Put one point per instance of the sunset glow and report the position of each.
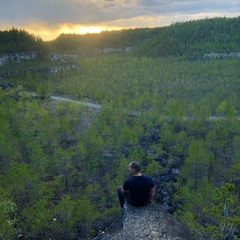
(90, 29)
(86, 29)
(71, 29)
(51, 34)
(50, 19)
(81, 29)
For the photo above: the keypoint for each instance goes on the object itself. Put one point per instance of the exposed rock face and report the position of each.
(64, 65)
(50, 69)
(16, 57)
(116, 50)
(27, 56)
(152, 222)
(221, 55)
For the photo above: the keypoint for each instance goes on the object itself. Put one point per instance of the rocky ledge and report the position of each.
(222, 55)
(48, 69)
(62, 63)
(151, 222)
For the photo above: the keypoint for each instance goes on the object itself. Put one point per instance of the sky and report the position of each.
(49, 18)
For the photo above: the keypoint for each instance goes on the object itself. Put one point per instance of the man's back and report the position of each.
(139, 189)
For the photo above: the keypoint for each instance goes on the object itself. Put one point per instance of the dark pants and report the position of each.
(123, 197)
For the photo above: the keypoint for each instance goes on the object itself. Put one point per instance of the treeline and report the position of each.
(105, 39)
(15, 40)
(194, 38)
(190, 39)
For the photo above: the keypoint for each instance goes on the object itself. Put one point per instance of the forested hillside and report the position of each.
(61, 163)
(189, 39)
(194, 38)
(105, 39)
(15, 40)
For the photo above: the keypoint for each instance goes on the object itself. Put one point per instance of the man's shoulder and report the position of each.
(147, 177)
(148, 180)
(128, 180)
(133, 179)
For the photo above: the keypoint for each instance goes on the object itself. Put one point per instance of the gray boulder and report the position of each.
(152, 222)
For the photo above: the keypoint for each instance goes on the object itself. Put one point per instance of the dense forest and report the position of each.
(15, 40)
(183, 39)
(61, 162)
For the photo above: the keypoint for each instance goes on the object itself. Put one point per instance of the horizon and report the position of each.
(98, 30)
(48, 19)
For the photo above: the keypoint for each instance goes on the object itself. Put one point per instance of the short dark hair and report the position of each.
(135, 165)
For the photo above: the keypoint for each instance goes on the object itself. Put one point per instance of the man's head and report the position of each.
(134, 167)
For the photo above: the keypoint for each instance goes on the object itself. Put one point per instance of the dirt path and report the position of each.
(92, 105)
(131, 113)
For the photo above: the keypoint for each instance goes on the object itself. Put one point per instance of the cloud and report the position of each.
(51, 15)
(95, 11)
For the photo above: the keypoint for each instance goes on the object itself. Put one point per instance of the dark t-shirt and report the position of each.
(139, 189)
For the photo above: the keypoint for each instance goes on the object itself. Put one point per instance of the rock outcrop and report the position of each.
(16, 57)
(116, 50)
(152, 222)
(222, 55)
(19, 57)
(49, 69)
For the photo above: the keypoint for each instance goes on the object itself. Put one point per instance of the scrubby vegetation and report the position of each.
(61, 163)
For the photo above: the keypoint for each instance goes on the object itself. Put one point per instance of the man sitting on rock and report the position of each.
(138, 190)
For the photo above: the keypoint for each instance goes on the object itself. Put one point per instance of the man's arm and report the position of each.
(125, 187)
(152, 192)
